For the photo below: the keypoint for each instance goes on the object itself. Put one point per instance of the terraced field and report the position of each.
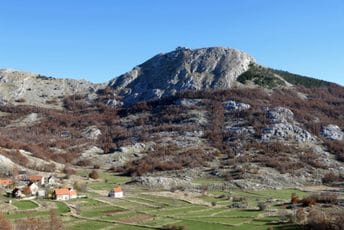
(144, 209)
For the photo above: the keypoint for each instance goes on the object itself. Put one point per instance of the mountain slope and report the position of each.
(209, 112)
(33, 89)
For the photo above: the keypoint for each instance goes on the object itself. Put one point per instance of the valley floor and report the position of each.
(141, 208)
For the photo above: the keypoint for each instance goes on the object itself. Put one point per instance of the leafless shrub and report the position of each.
(84, 162)
(94, 174)
(330, 177)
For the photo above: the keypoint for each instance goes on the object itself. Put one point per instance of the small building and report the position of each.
(17, 193)
(64, 194)
(41, 193)
(31, 189)
(51, 180)
(116, 192)
(6, 183)
(37, 179)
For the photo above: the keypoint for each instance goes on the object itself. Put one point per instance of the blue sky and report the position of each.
(98, 40)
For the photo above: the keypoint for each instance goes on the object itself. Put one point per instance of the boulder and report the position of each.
(284, 127)
(239, 130)
(235, 106)
(332, 132)
(286, 131)
(280, 115)
(136, 148)
(91, 132)
(91, 152)
(188, 102)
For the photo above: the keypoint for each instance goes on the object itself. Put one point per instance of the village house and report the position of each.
(51, 180)
(116, 192)
(64, 194)
(37, 179)
(41, 193)
(6, 183)
(17, 193)
(31, 189)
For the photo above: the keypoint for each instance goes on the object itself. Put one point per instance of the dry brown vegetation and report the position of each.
(320, 220)
(57, 129)
(62, 129)
(53, 223)
(94, 174)
(166, 159)
(4, 223)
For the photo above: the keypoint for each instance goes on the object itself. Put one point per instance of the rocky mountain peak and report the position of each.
(182, 69)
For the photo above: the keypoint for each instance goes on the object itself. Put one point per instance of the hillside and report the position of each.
(209, 112)
(24, 88)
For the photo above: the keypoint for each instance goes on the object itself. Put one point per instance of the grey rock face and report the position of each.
(182, 69)
(284, 127)
(188, 102)
(136, 148)
(286, 131)
(238, 130)
(91, 152)
(332, 132)
(280, 115)
(91, 132)
(163, 182)
(233, 105)
(28, 120)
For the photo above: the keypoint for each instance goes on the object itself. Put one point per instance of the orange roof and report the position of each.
(64, 191)
(6, 182)
(35, 178)
(117, 189)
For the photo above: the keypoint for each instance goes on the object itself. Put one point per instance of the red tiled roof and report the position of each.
(35, 178)
(6, 182)
(64, 191)
(117, 189)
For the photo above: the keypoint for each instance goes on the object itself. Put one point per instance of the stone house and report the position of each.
(64, 194)
(37, 179)
(31, 189)
(116, 192)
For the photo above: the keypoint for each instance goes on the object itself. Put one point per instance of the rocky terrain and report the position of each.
(182, 69)
(210, 112)
(24, 88)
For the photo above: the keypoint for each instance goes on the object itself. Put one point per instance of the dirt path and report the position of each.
(109, 203)
(138, 202)
(112, 221)
(189, 197)
(320, 188)
(215, 213)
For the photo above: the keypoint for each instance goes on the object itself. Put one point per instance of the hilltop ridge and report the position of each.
(182, 69)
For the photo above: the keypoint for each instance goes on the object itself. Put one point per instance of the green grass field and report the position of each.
(107, 181)
(153, 211)
(62, 208)
(144, 209)
(24, 204)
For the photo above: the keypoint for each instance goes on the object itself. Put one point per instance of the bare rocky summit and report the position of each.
(182, 69)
